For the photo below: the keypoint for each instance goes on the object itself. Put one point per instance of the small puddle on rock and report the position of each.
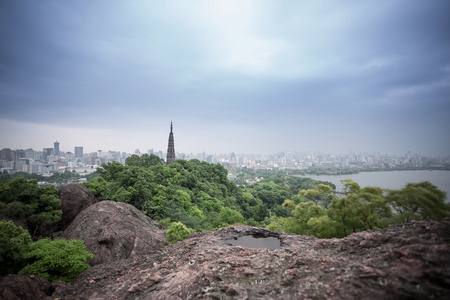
(256, 242)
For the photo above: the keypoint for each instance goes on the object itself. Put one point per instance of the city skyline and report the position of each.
(79, 151)
(233, 76)
(53, 160)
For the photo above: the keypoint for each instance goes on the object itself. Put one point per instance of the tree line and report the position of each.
(320, 213)
(61, 177)
(197, 194)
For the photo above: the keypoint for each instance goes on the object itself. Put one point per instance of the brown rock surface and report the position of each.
(114, 230)
(74, 199)
(25, 287)
(409, 261)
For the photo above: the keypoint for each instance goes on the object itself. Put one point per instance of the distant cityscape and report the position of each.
(53, 160)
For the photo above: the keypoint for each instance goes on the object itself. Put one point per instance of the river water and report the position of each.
(391, 179)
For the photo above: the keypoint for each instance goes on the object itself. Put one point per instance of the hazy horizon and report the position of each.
(65, 148)
(233, 76)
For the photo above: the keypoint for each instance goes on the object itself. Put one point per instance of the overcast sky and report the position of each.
(242, 76)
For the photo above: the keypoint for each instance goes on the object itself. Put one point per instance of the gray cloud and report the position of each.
(250, 75)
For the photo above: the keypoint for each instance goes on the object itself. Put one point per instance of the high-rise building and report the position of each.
(171, 148)
(17, 154)
(6, 154)
(78, 152)
(29, 153)
(56, 148)
(160, 154)
(46, 153)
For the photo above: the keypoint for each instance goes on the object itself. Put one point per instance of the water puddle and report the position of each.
(256, 242)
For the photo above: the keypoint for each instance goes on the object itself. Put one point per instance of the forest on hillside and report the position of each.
(197, 194)
(201, 197)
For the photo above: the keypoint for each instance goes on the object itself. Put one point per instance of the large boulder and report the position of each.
(74, 199)
(25, 287)
(115, 230)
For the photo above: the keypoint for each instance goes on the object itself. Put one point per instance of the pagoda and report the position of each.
(171, 148)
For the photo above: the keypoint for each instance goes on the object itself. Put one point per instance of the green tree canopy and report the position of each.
(419, 201)
(15, 242)
(19, 189)
(229, 216)
(321, 194)
(302, 214)
(24, 199)
(361, 209)
(57, 260)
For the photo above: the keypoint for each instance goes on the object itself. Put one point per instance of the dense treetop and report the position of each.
(200, 196)
(23, 199)
(197, 194)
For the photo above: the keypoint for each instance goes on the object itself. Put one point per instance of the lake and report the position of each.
(391, 179)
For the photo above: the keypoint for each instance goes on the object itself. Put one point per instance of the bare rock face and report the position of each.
(114, 230)
(74, 199)
(409, 261)
(25, 287)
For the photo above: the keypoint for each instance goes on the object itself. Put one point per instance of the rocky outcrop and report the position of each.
(409, 261)
(25, 287)
(74, 199)
(114, 230)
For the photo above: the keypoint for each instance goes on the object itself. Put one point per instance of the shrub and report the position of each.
(15, 242)
(57, 260)
(177, 232)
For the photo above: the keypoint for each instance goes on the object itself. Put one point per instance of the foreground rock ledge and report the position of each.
(403, 261)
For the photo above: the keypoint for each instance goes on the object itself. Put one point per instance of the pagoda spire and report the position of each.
(171, 147)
